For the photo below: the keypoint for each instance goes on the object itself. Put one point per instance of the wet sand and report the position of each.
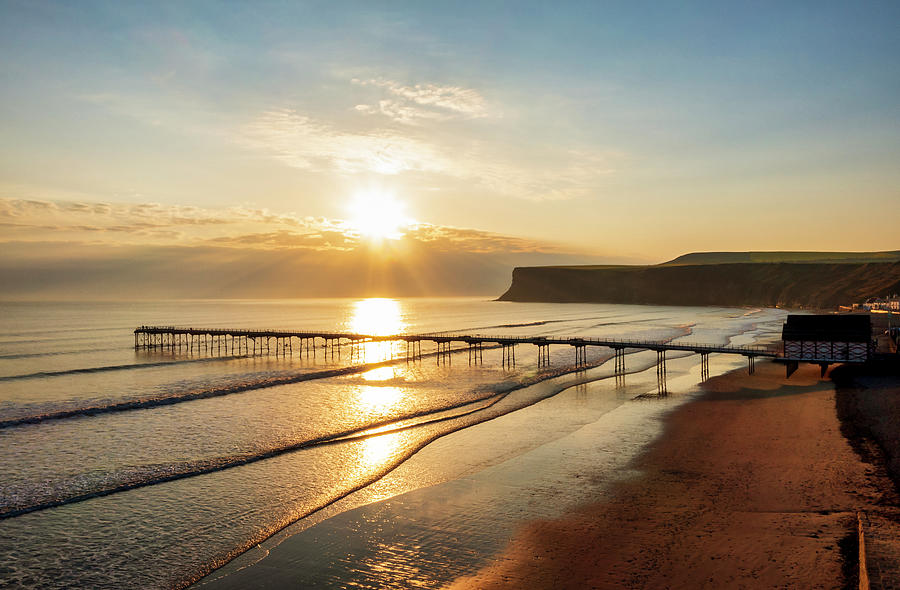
(752, 485)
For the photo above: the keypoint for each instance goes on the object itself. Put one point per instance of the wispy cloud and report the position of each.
(533, 172)
(411, 104)
(288, 240)
(301, 142)
(445, 238)
(149, 223)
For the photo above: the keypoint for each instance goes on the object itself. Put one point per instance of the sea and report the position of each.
(152, 468)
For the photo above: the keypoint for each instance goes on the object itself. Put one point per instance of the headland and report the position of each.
(769, 279)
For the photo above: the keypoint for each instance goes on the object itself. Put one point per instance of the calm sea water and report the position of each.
(125, 468)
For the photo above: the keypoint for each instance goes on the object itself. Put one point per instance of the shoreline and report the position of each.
(681, 507)
(752, 485)
(438, 491)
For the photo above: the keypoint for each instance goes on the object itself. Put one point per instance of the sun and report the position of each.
(378, 215)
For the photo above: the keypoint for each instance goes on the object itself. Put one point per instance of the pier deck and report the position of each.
(259, 341)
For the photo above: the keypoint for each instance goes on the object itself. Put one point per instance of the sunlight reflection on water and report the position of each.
(379, 399)
(377, 450)
(380, 374)
(377, 317)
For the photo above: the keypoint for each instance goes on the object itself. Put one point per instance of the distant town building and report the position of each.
(826, 339)
(877, 304)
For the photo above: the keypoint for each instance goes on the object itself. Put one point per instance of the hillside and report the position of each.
(785, 284)
(821, 257)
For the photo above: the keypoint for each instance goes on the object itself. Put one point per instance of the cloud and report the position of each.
(447, 238)
(152, 223)
(130, 224)
(399, 112)
(538, 173)
(411, 104)
(288, 240)
(301, 142)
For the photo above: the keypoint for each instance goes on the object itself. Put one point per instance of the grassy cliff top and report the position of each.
(775, 257)
(701, 258)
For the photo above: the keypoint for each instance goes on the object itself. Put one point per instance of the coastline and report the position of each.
(743, 481)
(752, 485)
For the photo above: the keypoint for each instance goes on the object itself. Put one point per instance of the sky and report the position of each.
(412, 148)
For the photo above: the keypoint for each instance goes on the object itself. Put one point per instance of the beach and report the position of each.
(751, 486)
(748, 484)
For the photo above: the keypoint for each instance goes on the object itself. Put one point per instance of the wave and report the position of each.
(602, 324)
(31, 340)
(28, 355)
(579, 319)
(143, 404)
(262, 535)
(156, 474)
(77, 329)
(125, 367)
(527, 324)
(152, 475)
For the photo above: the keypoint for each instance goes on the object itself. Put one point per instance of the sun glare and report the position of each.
(378, 216)
(377, 317)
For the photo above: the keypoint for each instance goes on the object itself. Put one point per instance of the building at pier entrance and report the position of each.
(826, 339)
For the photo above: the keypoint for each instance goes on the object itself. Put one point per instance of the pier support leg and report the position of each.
(620, 361)
(443, 353)
(790, 367)
(509, 355)
(704, 366)
(543, 355)
(475, 353)
(413, 350)
(662, 389)
(619, 370)
(580, 355)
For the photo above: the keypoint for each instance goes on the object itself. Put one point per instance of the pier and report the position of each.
(330, 344)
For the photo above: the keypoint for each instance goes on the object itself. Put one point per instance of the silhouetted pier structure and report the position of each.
(282, 343)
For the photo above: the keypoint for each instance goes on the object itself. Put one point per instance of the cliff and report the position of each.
(814, 284)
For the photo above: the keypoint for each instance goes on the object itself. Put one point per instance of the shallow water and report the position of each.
(259, 453)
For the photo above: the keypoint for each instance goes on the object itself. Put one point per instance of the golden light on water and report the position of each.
(377, 317)
(377, 450)
(380, 374)
(379, 399)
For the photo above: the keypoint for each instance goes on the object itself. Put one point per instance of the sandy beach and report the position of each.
(751, 486)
